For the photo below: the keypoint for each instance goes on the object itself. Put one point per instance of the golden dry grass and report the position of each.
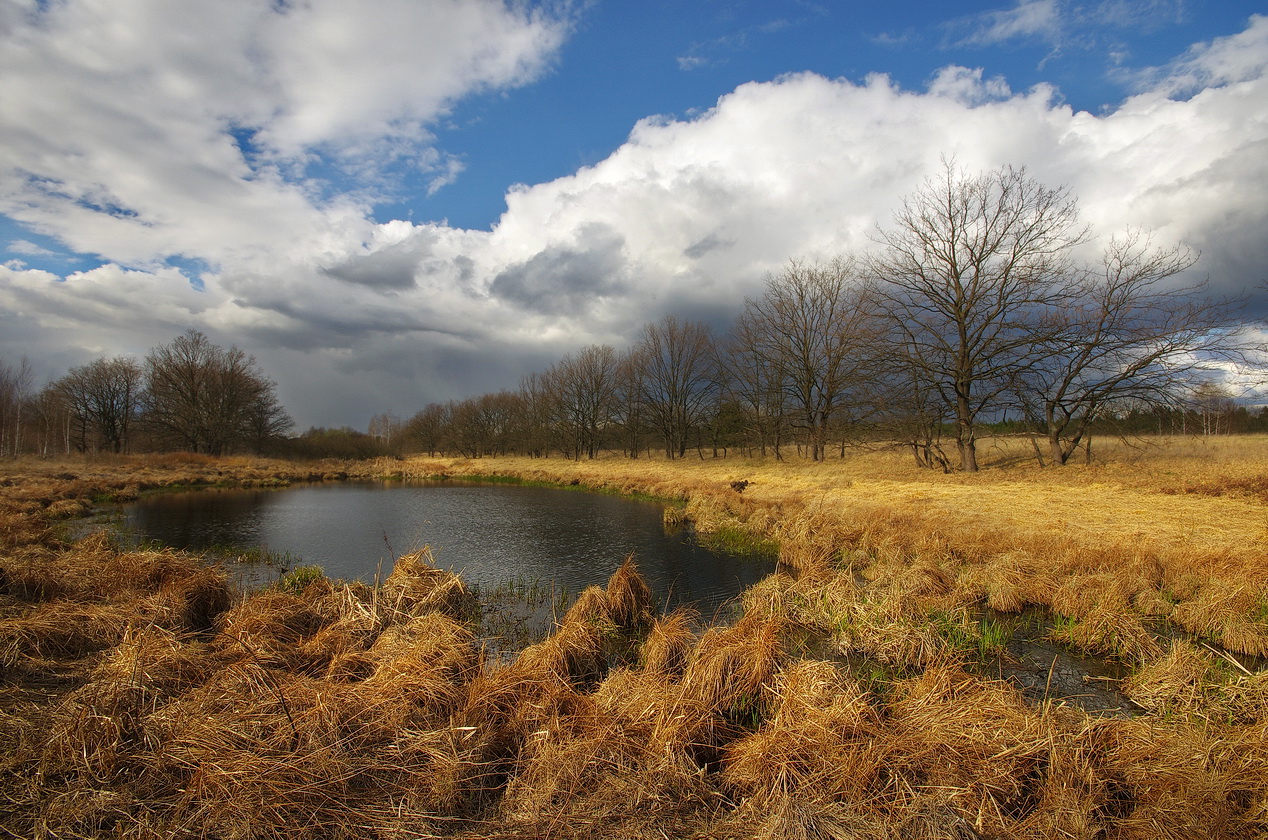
(140, 698)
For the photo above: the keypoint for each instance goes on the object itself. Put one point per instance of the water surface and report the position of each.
(489, 533)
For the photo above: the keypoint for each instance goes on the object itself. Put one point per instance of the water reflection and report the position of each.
(488, 533)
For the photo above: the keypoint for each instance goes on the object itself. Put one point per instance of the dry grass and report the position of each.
(140, 698)
(669, 642)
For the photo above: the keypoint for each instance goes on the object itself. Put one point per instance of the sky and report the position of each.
(395, 202)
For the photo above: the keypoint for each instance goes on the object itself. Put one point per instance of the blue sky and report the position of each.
(403, 201)
(626, 61)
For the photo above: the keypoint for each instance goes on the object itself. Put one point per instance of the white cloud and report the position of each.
(426, 55)
(967, 86)
(23, 246)
(1040, 19)
(1236, 58)
(1145, 15)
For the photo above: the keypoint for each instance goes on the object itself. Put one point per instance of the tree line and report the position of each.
(973, 308)
(189, 395)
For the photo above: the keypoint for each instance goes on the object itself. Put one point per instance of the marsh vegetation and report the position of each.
(864, 696)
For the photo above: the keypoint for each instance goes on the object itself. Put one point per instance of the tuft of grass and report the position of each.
(993, 638)
(981, 638)
(299, 578)
(668, 644)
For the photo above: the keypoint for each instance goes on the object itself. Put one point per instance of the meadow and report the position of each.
(859, 694)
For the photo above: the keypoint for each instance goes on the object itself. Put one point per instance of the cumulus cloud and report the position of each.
(687, 216)
(566, 278)
(142, 129)
(1236, 58)
(704, 217)
(390, 263)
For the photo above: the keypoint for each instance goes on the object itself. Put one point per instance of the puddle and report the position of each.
(1039, 668)
(1043, 670)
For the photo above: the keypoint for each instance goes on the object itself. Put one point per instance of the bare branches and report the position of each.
(989, 310)
(965, 274)
(15, 386)
(811, 337)
(582, 388)
(1129, 337)
(677, 378)
(105, 397)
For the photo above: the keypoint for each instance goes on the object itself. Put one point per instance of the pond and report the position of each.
(488, 533)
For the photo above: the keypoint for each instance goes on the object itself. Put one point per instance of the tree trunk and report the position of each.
(1057, 450)
(968, 453)
(964, 430)
(1038, 452)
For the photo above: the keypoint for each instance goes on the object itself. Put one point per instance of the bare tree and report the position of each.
(104, 396)
(536, 413)
(755, 378)
(583, 387)
(913, 412)
(814, 330)
(1214, 404)
(966, 274)
(1128, 337)
(466, 434)
(490, 423)
(678, 378)
(427, 428)
(206, 398)
(266, 423)
(53, 419)
(632, 412)
(385, 427)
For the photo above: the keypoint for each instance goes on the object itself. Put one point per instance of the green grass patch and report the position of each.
(981, 638)
(733, 539)
(297, 580)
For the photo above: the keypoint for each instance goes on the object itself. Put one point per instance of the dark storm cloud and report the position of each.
(388, 268)
(564, 279)
(712, 242)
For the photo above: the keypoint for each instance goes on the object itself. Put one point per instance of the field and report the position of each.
(865, 693)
